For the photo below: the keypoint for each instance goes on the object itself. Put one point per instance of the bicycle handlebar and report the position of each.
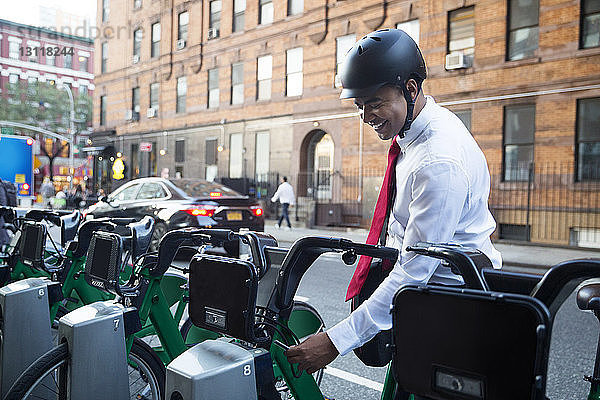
(459, 257)
(170, 243)
(303, 254)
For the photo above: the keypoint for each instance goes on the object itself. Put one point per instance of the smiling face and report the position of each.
(385, 111)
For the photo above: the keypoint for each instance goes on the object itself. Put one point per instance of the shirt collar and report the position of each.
(418, 125)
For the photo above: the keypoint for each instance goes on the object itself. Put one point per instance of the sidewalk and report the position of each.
(517, 255)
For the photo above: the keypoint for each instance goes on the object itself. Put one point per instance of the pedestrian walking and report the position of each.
(285, 195)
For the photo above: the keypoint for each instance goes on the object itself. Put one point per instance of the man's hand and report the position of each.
(313, 354)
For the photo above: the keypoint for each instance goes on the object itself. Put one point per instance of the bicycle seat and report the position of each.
(69, 223)
(141, 236)
(7, 212)
(588, 297)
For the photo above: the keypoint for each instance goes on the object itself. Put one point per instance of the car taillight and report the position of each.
(201, 211)
(256, 211)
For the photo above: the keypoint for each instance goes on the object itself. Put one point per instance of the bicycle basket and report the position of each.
(32, 244)
(468, 344)
(103, 261)
(223, 295)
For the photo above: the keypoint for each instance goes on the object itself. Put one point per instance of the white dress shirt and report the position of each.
(285, 194)
(442, 190)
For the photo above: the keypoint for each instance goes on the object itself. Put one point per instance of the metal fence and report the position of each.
(552, 203)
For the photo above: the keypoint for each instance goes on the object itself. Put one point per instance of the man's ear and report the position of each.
(413, 88)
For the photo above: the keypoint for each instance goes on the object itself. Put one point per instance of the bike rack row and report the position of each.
(471, 334)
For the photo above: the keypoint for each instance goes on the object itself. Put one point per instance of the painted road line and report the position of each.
(301, 298)
(359, 380)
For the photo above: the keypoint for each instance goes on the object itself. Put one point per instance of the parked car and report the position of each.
(179, 203)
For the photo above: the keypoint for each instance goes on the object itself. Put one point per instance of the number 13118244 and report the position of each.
(46, 51)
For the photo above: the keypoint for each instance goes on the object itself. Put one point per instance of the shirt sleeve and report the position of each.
(276, 195)
(439, 193)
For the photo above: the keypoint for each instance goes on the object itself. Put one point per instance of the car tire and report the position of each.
(160, 229)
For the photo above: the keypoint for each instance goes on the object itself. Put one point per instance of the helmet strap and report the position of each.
(410, 107)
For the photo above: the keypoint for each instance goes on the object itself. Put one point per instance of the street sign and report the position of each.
(7, 130)
(145, 146)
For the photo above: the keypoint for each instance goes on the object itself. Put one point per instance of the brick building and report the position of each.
(245, 90)
(24, 59)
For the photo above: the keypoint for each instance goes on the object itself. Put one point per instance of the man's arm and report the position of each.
(276, 195)
(439, 192)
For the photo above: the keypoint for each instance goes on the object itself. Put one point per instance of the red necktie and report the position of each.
(379, 216)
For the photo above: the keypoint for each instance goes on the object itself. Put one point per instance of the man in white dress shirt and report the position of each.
(285, 195)
(442, 184)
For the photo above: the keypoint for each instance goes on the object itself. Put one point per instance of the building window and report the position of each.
(588, 139)
(519, 134)
(412, 28)
(236, 153)
(184, 20)
(137, 4)
(104, 57)
(461, 32)
(295, 7)
(265, 15)
(180, 150)
(262, 156)
(13, 79)
(154, 88)
(68, 61)
(31, 85)
(465, 117)
(155, 46)
(105, 10)
(102, 110)
(13, 50)
(83, 63)
(294, 72)
(210, 156)
(342, 45)
(181, 94)
(237, 83)
(137, 43)
(239, 8)
(264, 74)
(213, 88)
(135, 161)
(83, 90)
(33, 57)
(135, 103)
(50, 58)
(523, 20)
(590, 24)
(214, 21)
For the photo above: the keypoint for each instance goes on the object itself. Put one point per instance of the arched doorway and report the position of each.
(316, 166)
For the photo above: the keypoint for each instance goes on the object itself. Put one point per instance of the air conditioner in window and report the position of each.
(337, 81)
(135, 59)
(129, 115)
(213, 33)
(180, 44)
(151, 112)
(457, 60)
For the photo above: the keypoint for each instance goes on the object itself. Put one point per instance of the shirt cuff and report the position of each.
(343, 337)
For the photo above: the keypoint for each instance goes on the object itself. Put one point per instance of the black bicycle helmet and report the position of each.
(383, 57)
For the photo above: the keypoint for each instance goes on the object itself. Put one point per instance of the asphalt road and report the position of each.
(572, 352)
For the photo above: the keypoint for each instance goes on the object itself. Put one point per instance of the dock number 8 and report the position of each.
(247, 370)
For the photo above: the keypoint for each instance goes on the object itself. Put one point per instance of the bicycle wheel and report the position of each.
(47, 377)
